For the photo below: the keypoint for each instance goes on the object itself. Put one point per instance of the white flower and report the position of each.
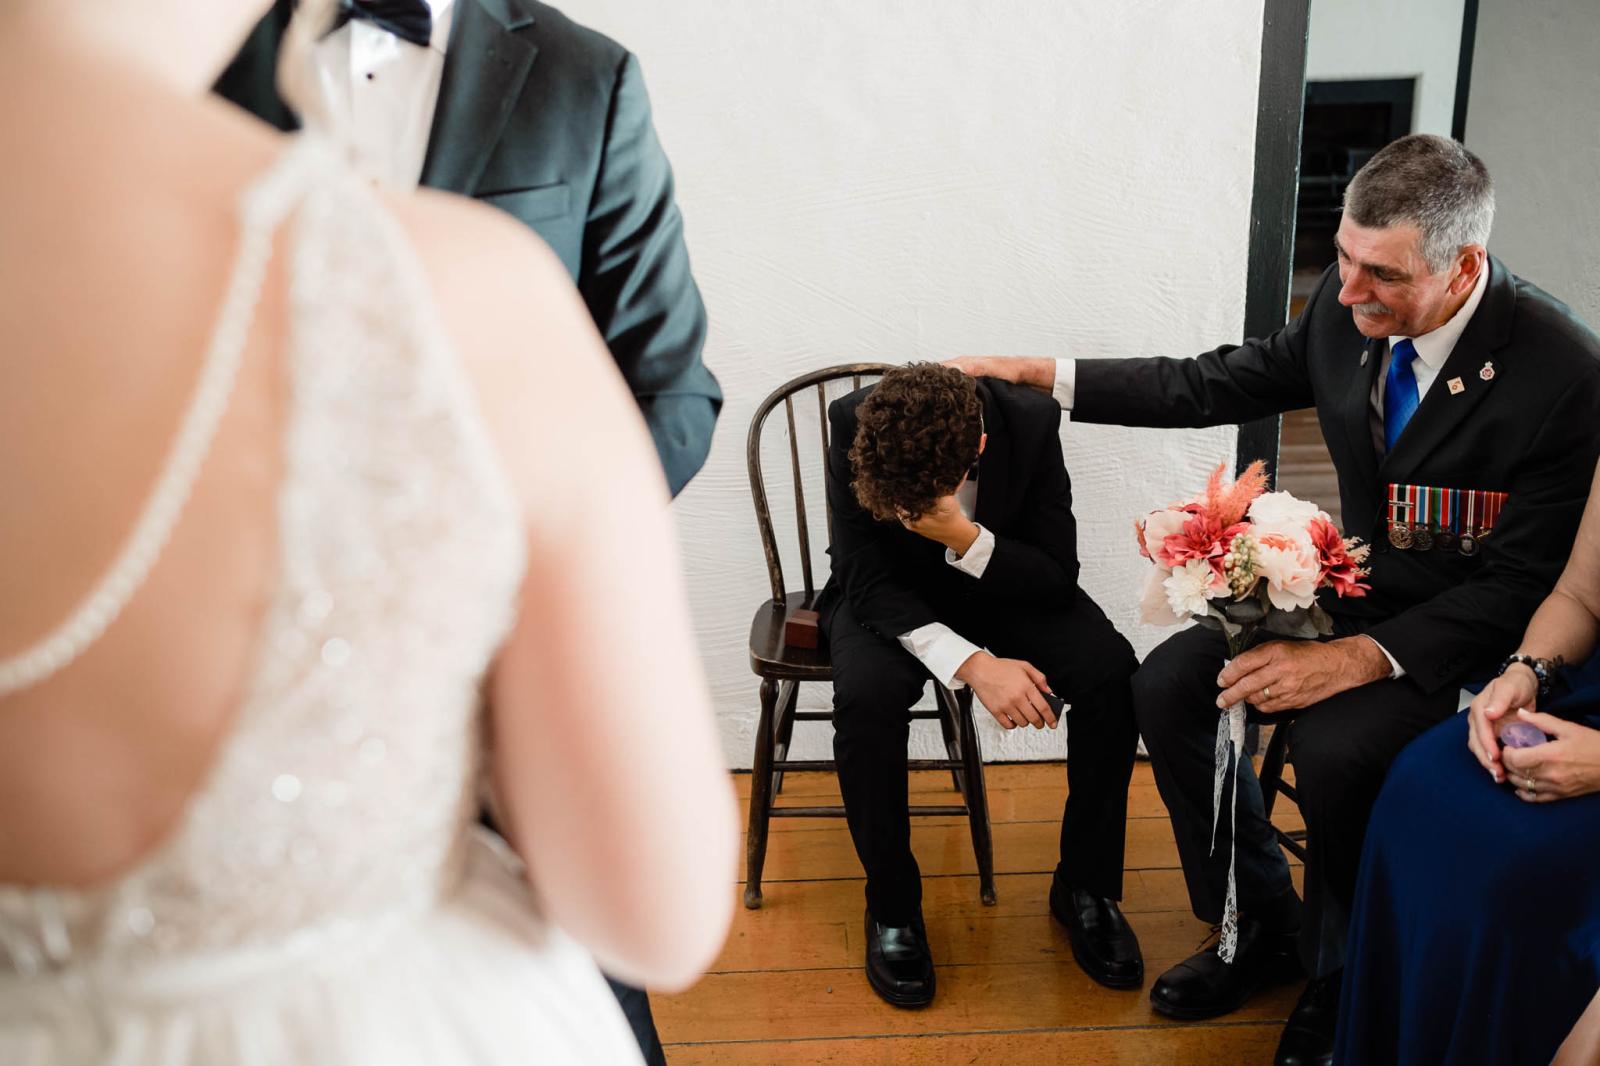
(1280, 512)
(1153, 607)
(1189, 586)
(1158, 526)
(1290, 569)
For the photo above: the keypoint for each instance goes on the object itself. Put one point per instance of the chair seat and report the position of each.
(773, 657)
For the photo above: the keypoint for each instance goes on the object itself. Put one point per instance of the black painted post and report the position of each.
(1280, 107)
(1280, 111)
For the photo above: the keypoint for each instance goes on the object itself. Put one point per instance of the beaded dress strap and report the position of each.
(262, 206)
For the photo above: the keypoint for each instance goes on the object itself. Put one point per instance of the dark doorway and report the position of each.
(1345, 123)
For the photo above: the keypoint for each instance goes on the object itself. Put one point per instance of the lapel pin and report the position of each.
(1487, 373)
(1364, 354)
(1456, 387)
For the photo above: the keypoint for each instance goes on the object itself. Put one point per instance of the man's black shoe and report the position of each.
(1203, 986)
(899, 964)
(1102, 941)
(1308, 1038)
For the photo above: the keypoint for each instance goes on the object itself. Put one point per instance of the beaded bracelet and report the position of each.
(1543, 669)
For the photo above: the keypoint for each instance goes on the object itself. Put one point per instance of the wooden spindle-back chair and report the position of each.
(782, 667)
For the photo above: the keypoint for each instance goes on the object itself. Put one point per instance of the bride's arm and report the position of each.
(607, 767)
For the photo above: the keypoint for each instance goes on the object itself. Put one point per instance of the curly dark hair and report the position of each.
(917, 433)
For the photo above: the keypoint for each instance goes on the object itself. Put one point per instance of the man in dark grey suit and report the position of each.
(548, 121)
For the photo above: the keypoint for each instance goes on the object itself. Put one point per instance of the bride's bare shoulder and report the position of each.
(519, 328)
(499, 288)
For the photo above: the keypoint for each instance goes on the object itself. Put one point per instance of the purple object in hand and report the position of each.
(1522, 735)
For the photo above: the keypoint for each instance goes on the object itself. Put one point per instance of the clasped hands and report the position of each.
(1566, 765)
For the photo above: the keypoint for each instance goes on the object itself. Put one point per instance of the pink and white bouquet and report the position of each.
(1246, 561)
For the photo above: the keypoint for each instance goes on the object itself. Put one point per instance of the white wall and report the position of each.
(1392, 39)
(899, 180)
(1531, 117)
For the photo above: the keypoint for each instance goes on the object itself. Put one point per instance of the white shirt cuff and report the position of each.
(1396, 671)
(1066, 386)
(977, 557)
(941, 649)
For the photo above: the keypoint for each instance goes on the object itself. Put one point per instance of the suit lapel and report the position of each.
(1355, 412)
(486, 64)
(994, 484)
(1442, 410)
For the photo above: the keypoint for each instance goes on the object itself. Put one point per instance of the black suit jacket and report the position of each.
(894, 579)
(549, 121)
(1532, 430)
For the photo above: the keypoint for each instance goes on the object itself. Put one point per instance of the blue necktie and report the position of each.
(1399, 393)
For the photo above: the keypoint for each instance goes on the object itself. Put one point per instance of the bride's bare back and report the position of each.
(116, 241)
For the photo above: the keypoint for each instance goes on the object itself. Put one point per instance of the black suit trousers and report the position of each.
(876, 682)
(1341, 749)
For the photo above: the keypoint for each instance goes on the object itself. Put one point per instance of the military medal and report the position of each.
(1422, 528)
(1399, 532)
(1448, 538)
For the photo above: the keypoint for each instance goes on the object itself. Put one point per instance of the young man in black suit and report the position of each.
(1441, 381)
(952, 534)
(548, 121)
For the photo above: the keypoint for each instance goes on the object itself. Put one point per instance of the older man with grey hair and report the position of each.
(1461, 407)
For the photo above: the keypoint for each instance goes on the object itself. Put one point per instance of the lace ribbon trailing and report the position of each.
(1230, 747)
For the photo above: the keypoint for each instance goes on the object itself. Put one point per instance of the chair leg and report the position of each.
(952, 736)
(977, 800)
(755, 839)
(788, 699)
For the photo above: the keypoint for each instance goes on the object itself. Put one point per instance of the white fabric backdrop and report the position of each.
(886, 180)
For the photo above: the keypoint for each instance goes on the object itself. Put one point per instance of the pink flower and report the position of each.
(1290, 568)
(1154, 529)
(1339, 560)
(1201, 537)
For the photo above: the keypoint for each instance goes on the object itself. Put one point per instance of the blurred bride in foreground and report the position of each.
(320, 526)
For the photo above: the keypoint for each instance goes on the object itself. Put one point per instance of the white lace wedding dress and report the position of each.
(327, 897)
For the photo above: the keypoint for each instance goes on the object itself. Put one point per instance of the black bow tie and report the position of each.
(409, 20)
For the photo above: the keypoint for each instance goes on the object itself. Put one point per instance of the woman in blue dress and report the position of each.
(1475, 936)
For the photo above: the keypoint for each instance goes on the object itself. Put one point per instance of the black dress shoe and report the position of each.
(1308, 1038)
(1102, 941)
(1203, 986)
(899, 964)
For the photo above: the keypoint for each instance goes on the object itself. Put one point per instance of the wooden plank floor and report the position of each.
(789, 988)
